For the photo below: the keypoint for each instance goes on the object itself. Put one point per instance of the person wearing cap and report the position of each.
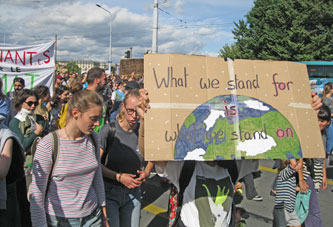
(130, 85)
(58, 82)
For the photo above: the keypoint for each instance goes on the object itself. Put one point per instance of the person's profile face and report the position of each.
(323, 124)
(88, 120)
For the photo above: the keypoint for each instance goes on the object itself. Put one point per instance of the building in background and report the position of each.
(84, 65)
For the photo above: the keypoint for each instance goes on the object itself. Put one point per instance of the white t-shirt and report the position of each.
(113, 95)
(208, 197)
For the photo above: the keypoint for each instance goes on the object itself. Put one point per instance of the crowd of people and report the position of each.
(76, 159)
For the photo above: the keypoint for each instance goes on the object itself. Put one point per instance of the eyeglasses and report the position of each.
(131, 111)
(30, 103)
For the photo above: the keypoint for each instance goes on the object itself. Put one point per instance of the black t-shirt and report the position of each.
(123, 156)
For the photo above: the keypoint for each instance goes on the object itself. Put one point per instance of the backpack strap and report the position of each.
(185, 177)
(110, 138)
(94, 143)
(55, 155)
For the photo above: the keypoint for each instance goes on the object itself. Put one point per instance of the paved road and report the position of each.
(155, 201)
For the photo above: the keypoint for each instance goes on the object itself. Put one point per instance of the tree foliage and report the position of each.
(72, 67)
(296, 30)
(229, 51)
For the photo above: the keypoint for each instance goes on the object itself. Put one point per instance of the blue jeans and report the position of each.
(123, 205)
(93, 220)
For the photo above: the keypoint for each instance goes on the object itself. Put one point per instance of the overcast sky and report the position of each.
(185, 26)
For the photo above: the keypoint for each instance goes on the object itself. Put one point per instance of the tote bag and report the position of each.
(302, 205)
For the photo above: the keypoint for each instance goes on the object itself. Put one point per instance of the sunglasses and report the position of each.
(30, 103)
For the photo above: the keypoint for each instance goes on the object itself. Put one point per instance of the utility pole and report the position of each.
(110, 53)
(155, 28)
(131, 52)
(55, 48)
(55, 60)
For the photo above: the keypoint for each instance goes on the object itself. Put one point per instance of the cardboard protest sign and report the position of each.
(205, 108)
(34, 63)
(129, 66)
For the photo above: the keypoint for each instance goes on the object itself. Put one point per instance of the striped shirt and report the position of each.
(317, 174)
(286, 189)
(76, 187)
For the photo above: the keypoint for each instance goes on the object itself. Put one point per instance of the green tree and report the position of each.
(72, 67)
(285, 30)
(229, 51)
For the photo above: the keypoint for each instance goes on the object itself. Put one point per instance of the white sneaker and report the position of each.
(257, 198)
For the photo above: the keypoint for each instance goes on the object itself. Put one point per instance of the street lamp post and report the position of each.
(110, 53)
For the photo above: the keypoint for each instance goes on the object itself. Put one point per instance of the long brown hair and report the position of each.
(327, 89)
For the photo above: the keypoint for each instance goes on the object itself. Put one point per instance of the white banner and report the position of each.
(34, 63)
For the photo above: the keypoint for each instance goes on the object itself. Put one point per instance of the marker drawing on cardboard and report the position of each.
(227, 123)
(205, 108)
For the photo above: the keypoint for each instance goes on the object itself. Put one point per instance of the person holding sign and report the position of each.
(123, 170)
(313, 174)
(206, 188)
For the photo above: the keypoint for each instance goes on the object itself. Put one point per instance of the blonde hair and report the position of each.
(82, 100)
(327, 89)
(131, 93)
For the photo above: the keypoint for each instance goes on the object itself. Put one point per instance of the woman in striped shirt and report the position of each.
(74, 195)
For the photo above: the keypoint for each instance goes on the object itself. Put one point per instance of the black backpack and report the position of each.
(111, 134)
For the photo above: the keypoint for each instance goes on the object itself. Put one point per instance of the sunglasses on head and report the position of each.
(30, 103)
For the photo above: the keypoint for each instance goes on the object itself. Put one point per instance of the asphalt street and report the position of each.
(156, 194)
